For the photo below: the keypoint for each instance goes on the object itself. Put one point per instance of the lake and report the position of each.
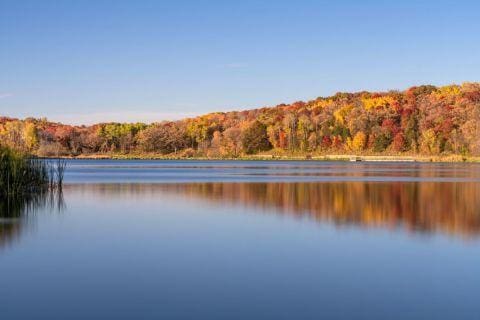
(246, 240)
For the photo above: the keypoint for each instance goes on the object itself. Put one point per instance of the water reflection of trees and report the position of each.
(446, 207)
(15, 212)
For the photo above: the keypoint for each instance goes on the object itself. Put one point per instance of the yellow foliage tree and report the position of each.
(341, 113)
(377, 102)
(323, 103)
(448, 91)
(358, 142)
(30, 136)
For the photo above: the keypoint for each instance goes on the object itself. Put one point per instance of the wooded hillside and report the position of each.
(421, 120)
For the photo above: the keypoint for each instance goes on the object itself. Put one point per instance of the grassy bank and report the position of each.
(286, 156)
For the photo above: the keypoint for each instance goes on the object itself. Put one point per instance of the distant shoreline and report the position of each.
(422, 123)
(269, 157)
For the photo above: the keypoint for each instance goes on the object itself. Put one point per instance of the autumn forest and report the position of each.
(422, 120)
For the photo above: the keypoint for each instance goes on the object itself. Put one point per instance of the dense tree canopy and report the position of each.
(420, 120)
(255, 138)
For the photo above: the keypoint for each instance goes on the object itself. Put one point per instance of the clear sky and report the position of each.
(88, 61)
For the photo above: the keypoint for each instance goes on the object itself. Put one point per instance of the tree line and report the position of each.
(420, 120)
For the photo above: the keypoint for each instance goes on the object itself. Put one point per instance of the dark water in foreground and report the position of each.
(247, 240)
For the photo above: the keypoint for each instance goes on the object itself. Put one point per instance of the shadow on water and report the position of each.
(16, 212)
(451, 208)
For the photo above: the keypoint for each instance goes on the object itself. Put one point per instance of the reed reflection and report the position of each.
(426, 207)
(16, 211)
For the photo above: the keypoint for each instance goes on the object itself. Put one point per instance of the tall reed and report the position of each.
(21, 174)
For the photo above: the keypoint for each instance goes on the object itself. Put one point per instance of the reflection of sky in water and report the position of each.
(267, 250)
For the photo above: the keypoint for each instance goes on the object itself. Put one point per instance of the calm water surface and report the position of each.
(246, 240)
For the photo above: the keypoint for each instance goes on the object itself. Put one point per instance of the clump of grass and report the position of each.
(21, 174)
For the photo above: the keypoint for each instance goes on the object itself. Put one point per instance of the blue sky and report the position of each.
(89, 61)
